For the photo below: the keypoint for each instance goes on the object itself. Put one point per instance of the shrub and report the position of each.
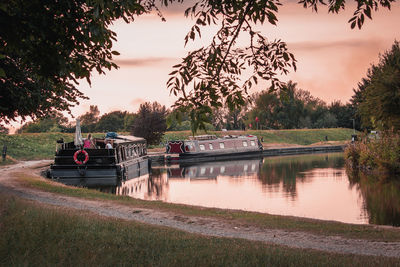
(380, 156)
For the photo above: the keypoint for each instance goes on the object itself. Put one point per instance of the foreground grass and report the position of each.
(35, 146)
(236, 217)
(42, 236)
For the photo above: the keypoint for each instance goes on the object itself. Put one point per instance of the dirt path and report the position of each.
(192, 224)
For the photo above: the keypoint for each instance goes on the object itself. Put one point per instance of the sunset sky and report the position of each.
(332, 58)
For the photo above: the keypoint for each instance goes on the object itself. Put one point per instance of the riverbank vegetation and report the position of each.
(377, 156)
(66, 237)
(373, 166)
(30, 146)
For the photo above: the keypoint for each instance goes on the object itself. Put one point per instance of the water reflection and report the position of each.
(313, 186)
(381, 200)
(290, 170)
(211, 170)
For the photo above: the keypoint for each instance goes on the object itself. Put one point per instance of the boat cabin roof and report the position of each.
(128, 138)
(214, 137)
(203, 137)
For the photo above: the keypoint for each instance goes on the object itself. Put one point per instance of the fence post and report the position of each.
(4, 154)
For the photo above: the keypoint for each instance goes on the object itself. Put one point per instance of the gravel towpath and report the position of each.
(192, 224)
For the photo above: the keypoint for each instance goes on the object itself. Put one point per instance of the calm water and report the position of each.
(313, 186)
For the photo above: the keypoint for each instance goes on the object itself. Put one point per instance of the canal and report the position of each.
(313, 186)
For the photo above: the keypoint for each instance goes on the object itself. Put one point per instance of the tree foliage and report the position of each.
(89, 119)
(377, 97)
(150, 122)
(46, 47)
(213, 75)
(294, 108)
(116, 121)
(113, 122)
(53, 122)
(344, 114)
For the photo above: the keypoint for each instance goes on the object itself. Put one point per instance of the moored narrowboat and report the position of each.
(210, 147)
(125, 158)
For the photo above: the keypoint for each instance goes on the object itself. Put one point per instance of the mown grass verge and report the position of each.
(297, 136)
(235, 217)
(44, 236)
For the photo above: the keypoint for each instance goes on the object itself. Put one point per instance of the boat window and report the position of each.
(244, 143)
(222, 170)
(221, 145)
(202, 147)
(210, 146)
(252, 143)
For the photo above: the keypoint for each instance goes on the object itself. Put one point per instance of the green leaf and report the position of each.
(285, 56)
(367, 12)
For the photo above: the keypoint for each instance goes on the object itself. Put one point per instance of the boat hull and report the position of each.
(204, 157)
(79, 177)
(99, 175)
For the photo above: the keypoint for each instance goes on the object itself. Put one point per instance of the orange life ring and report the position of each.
(76, 157)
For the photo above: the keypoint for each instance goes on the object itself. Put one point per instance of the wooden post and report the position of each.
(4, 154)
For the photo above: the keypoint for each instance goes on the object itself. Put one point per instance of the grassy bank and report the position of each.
(237, 217)
(299, 137)
(43, 236)
(42, 145)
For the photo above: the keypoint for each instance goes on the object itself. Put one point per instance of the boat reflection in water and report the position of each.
(155, 186)
(211, 170)
(149, 187)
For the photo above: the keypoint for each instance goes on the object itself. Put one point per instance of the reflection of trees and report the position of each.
(286, 170)
(155, 183)
(381, 200)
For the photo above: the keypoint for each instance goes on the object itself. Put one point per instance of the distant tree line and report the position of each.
(290, 108)
(294, 108)
(91, 121)
(149, 122)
